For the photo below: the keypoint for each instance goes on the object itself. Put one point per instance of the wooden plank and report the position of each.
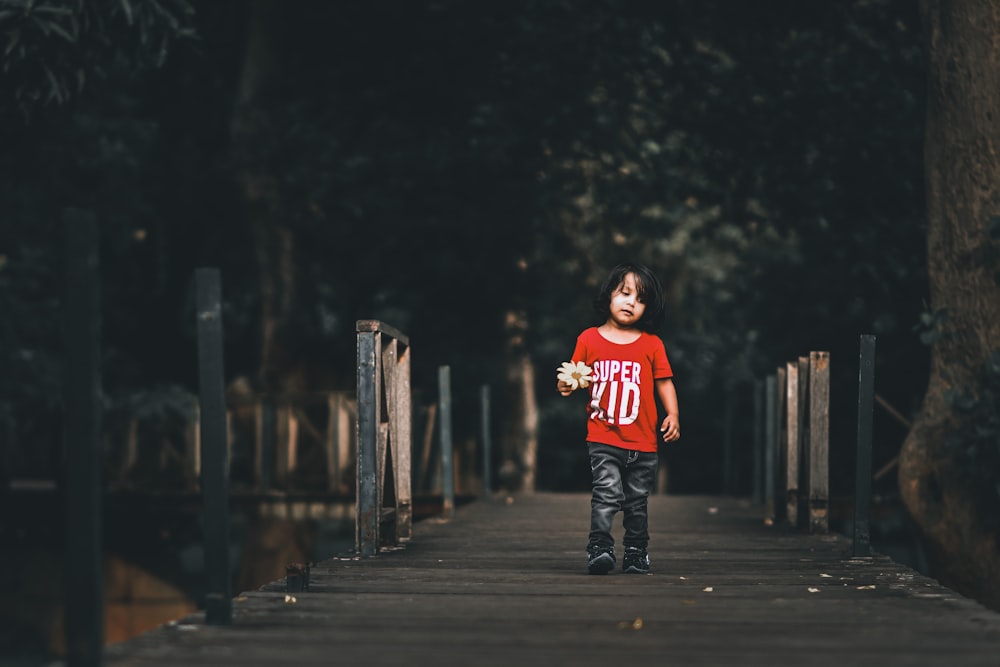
(791, 442)
(486, 440)
(331, 442)
(447, 459)
(402, 417)
(192, 443)
(759, 428)
(504, 584)
(803, 443)
(387, 430)
(375, 326)
(770, 448)
(369, 418)
(819, 442)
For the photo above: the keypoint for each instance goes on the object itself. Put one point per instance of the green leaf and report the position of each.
(59, 30)
(15, 36)
(127, 7)
(52, 9)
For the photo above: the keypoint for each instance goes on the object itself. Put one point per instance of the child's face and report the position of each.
(626, 309)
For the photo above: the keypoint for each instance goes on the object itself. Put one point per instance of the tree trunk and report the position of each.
(520, 437)
(962, 166)
(274, 243)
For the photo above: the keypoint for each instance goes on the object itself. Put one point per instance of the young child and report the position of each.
(630, 371)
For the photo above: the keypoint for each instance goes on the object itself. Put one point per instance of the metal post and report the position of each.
(369, 417)
(84, 562)
(444, 413)
(863, 458)
(214, 448)
(484, 401)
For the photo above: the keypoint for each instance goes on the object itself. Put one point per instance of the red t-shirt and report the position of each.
(623, 394)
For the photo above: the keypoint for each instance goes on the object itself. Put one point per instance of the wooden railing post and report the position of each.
(863, 457)
(369, 417)
(444, 421)
(791, 443)
(401, 435)
(264, 454)
(805, 397)
(485, 435)
(758, 442)
(819, 442)
(383, 377)
(781, 439)
(214, 450)
(84, 563)
(728, 460)
(770, 439)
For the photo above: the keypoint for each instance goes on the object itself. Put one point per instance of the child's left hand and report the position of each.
(670, 428)
(572, 375)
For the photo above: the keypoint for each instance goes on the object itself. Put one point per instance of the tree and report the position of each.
(948, 471)
(54, 49)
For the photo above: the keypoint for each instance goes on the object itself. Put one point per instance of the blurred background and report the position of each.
(467, 173)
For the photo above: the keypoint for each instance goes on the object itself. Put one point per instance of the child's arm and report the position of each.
(671, 426)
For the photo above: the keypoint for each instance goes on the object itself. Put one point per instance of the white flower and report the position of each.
(575, 374)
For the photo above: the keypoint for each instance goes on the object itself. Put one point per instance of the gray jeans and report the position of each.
(622, 480)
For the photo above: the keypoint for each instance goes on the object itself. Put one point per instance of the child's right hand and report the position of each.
(564, 388)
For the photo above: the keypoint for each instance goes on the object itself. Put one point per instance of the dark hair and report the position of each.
(650, 294)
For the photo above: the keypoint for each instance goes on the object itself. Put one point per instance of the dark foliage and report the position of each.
(444, 163)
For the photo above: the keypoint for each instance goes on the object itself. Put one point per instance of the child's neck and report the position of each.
(618, 334)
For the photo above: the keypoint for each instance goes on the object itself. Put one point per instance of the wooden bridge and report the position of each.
(502, 581)
(505, 583)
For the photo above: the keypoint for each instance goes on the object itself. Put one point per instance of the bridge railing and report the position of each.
(299, 443)
(792, 448)
(793, 437)
(384, 507)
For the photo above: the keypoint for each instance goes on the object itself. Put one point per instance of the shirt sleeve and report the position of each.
(580, 352)
(661, 365)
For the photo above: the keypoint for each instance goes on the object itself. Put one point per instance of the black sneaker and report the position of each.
(600, 559)
(635, 561)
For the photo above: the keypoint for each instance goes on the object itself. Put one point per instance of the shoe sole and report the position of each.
(601, 565)
(632, 569)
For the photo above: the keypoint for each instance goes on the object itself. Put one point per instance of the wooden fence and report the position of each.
(276, 442)
(796, 441)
